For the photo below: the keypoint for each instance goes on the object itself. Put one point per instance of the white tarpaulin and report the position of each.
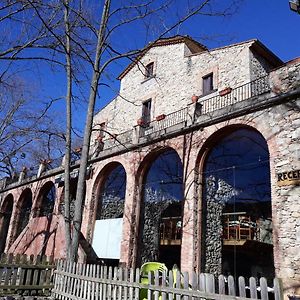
(107, 238)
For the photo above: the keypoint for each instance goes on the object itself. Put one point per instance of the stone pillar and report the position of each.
(136, 134)
(22, 175)
(190, 226)
(130, 222)
(42, 169)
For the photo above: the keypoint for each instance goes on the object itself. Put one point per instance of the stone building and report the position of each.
(195, 162)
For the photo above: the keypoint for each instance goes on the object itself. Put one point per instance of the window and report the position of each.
(146, 112)
(208, 86)
(149, 70)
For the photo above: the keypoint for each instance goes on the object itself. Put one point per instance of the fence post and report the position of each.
(171, 284)
(231, 286)
(221, 281)
(263, 289)
(242, 288)
(149, 294)
(209, 283)
(278, 291)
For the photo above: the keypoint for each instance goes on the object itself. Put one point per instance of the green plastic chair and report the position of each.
(145, 269)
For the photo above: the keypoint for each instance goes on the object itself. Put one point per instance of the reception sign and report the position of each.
(291, 177)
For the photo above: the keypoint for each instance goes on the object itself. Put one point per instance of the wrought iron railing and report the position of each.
(241, 93)
(121, 139)
(164, 122)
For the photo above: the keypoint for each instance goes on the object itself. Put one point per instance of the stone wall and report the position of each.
(217, 193)
(284, 123)
(111, 208)
(259, 66)
(176, 78)
(149, 248)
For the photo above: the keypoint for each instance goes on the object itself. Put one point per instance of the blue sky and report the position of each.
(270, 21)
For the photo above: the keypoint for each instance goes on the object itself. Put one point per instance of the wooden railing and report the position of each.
(91, 282)
(170, 231)
(26, 275)
(239, 226)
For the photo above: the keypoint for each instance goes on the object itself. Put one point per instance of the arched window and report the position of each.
(109, 214)
(112, 194)
(237, 219)
(46, 200)
(24, 210)
(5, 216)
(161, 210)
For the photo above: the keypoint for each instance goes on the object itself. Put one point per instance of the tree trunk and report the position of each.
(68, 132)
(88, 130)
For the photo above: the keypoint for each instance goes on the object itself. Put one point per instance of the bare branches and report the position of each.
(21, 127)
(82, 44)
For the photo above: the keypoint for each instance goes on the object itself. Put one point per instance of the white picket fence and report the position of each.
(77, 281)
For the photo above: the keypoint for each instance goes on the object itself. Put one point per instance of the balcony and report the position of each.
(243, 99)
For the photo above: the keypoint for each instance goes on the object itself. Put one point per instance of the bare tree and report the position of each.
(84, 38)
(24, 131)
(115, 17)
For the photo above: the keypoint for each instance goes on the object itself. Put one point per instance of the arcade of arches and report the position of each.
(235, 201)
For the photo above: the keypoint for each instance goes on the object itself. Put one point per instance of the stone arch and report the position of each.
(109, 202)
(46, 200)
(5, 218)
(236, 202)
(23, 211)
(160, 206)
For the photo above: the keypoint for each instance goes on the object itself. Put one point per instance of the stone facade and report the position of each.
(176, 78)
(274, 113)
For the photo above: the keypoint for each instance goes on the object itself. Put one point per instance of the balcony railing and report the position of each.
(122, 139)
(32, 171)
(173, 122)
(241, 93)
(165, 123)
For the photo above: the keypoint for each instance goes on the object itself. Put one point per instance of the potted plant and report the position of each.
(195, 98)
(225, 91)
(160, 117)
(140, 121)
(46, 161)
